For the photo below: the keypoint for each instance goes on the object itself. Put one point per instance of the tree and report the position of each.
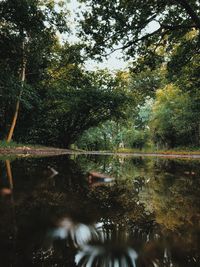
(95, 98)
(144, 84)
(27, 30)
(172, 121)
(71, 100)
(134, 26)
(108, 135)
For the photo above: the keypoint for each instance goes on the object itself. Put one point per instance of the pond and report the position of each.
(99, 211)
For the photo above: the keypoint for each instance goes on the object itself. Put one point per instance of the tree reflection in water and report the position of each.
(149, 216)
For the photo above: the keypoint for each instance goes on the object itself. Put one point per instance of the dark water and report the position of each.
(140, 212)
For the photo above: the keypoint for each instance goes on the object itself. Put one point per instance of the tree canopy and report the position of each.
(134, 26)
(57, 99)
(48, 96)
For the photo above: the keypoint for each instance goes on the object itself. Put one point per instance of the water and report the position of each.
(135, 212)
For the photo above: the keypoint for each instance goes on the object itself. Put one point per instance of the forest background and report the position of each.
(49, 97)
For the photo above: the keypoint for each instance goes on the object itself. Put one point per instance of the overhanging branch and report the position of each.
(195, 18)
(134, 42)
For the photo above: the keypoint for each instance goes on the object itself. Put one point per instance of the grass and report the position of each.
(12, 144)
(6, 150)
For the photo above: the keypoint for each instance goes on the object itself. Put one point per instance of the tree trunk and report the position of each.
(23, 75)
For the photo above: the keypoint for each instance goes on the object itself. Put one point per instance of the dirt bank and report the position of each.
(25, 150)
(49, 151)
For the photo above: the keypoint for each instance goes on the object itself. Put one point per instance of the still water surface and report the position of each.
(137, 212)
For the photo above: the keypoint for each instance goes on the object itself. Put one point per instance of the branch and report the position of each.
(134, 42)
(176, 27)
(195, 18)
(145, 23)
(161, 39)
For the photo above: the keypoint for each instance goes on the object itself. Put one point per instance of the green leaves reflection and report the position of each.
(153, 207)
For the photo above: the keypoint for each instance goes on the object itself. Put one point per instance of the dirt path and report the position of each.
(57, 151)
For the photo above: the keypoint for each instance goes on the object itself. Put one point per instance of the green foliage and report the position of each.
(62, 103)
(172, 117)
(27, 33)
(127, 24)
(136, 138)
(60, 100)
(145, 83)
(106, 136)
(33, 23)
(113, 135)
(144, 113)
(12, 144)
(184, 65)
(66, 111)
(97, 138)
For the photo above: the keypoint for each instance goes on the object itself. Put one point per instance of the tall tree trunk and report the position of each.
(23, 75)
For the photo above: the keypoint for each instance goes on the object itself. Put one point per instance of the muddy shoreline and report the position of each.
(58, 151)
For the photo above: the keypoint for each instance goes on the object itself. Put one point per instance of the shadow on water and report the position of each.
(99, 212)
